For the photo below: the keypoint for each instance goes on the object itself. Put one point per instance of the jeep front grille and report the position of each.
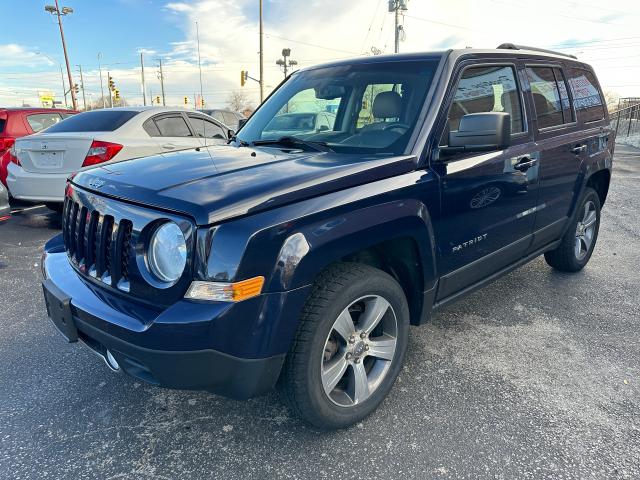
(97, 245)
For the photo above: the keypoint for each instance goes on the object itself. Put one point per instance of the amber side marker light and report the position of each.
(225, 292)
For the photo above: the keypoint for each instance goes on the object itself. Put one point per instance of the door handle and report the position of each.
(169, 146)
(525, 164)
(578, 149)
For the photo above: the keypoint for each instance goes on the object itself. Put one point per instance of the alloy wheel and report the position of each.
(359, 350)
(585, 230)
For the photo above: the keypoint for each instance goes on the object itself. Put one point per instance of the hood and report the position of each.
(217, 183)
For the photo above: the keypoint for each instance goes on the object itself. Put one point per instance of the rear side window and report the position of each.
(486, 89)
(586, 96)
(173, 126)
(546, 97)
(150, 127)
(3, 122)
(40, 121)
(94, 121)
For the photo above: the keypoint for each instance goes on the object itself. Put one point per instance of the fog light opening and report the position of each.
(112, 362)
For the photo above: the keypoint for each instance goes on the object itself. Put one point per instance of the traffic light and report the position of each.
(243, 77)
(158, 99)
(116, 94)
(186, 100)
(76, 88)
(112, 85)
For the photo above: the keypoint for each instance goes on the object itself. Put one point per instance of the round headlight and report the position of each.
(167, 252)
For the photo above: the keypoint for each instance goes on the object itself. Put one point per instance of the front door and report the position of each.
(487, 199)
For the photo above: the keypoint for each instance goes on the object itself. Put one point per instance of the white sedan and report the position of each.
(41, 163)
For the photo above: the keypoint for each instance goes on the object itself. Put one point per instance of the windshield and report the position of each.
(94, 121)
(361, 108)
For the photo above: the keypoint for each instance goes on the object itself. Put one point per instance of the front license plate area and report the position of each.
(59, 311)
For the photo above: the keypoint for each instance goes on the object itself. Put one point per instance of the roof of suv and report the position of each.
(518, 52)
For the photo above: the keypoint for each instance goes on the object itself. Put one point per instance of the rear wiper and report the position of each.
(293, 142)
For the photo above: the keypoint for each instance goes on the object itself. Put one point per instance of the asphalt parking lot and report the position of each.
(536, 376)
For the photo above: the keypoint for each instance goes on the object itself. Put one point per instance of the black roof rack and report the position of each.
(513, 46)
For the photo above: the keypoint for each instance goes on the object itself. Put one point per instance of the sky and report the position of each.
(112, 34)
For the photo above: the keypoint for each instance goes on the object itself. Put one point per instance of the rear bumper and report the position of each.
(36, 187)
(182, 346)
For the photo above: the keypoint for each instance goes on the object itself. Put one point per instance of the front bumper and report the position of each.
(36, 187)
(184, 345)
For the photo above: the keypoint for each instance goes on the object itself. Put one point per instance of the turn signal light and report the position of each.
(100, 152)
(225, 292)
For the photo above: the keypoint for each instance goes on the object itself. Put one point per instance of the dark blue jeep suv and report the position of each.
(299, 261)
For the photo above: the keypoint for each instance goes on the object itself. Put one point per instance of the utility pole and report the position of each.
(161, 77)
(64, 88)
(261, 58)
(55, 10)
(286, 53)
(84, 98)
(144, 93)
(397, 6)
(199, 67)
(104, 101)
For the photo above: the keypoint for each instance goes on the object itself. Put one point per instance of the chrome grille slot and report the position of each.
(80, 233)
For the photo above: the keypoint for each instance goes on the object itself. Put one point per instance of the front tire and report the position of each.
(578, 242)
(349, 347)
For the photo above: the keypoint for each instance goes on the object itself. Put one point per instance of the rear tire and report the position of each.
(342, 365)
(578, 242)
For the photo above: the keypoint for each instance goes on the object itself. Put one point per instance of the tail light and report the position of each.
(100, 152)
(6, 143)
(13, 158)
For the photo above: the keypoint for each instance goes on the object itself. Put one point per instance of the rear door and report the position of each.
(487, 198)
(561, 149)
(171, 132)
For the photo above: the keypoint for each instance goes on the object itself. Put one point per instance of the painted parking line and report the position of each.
(27, 209)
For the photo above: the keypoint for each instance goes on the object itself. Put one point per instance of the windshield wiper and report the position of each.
(293, 142)
(235, 138)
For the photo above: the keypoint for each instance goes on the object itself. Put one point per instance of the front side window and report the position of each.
(586, 96)
(173, 126)
(352, 108)
(486, 89)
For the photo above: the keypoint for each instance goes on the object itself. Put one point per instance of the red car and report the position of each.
(18, 122)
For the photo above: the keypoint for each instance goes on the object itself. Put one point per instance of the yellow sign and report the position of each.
(46, 98)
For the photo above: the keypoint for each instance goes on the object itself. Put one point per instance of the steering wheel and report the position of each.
(395, 125)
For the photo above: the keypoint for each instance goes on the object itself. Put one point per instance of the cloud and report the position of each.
(26, 57)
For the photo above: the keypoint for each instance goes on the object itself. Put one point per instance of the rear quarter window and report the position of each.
(3, 122)
(95, 121)
(586, 95)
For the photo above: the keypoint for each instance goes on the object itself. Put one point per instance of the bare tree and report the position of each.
(238, 101)
(611, 98)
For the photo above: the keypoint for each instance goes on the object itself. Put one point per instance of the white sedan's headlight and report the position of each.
(167, 252)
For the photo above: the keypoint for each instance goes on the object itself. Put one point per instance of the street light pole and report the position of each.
(55, 10)
(104, 101)
(199, 67)
(286, 53)
(84, 98)
(261, 58)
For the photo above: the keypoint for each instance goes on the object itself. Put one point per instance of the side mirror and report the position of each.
(481, 132)
(241, 123)
(230, 133)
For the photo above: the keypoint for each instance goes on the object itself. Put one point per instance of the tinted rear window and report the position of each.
(2, 124)
(96, 121)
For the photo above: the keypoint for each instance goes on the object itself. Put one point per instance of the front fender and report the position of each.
(311, 248)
